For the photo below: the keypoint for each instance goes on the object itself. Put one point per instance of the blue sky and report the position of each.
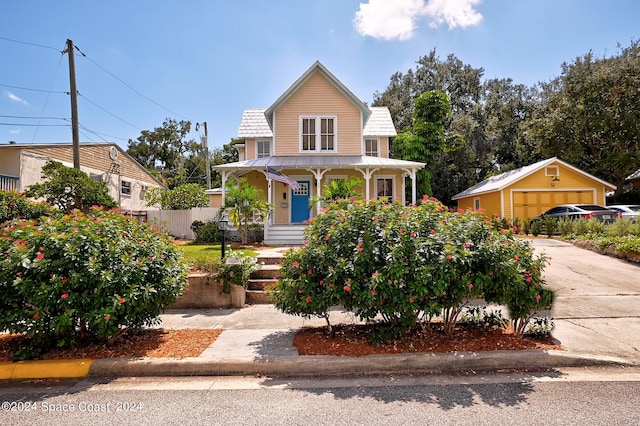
(207, 60)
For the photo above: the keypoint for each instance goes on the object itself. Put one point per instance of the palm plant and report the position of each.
(244, 204)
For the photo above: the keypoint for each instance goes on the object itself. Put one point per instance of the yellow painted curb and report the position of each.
(47, 369)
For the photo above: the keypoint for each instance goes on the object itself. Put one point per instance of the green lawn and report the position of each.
(206, 257)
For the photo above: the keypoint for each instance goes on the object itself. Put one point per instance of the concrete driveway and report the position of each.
(597, 306)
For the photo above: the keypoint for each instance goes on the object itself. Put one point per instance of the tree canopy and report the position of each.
(588, 116)
(166, 153)
(183, 197)
(69, 189)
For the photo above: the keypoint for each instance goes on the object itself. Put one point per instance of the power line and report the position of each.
(101, 135)
(27, 117)
(34, 125)
(128, 85)
(46, 101)
(108, 112)
(30, 44)
(33, 90)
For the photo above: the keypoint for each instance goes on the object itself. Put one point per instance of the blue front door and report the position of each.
(300, 202)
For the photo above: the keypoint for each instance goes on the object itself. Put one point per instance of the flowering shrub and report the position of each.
(236, 270)
(83, 277)
(14, 205)
(407, 264)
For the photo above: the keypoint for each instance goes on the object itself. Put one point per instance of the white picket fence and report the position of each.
(178, 222)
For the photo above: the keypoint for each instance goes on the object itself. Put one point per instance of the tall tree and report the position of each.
(589, 115)
(426, 138)
(167, 153)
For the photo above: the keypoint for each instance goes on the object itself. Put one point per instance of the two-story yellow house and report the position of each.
(317, 130)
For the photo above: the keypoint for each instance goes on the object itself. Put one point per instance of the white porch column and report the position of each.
(318, 174)
(367, 174)
(224, 181)
(414, 191)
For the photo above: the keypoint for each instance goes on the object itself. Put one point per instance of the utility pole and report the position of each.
(73, 91)
(205, 143)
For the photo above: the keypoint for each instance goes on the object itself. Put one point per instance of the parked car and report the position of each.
(577, 211)
(628, 211)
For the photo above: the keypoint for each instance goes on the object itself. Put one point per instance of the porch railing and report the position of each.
(8, 183)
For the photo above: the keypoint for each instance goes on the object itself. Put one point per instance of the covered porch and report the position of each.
(381, 177)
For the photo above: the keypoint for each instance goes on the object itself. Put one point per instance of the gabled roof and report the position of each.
(86, 146)
(633, 176)
(503, 180)
(317, 67)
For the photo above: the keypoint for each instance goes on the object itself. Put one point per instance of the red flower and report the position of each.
(295, 264)
(411, 300)
(64, 296)
(449, 257)
(40, 256)
(360, 249)
(433, 231)
(347, 288)
(470, 286)
(308, 299)
(63, 281)
(309, 272)
(538, 297)
(373, 292)
(122, 300)
(107, 317)
(36, 316)
(321, 282)
(516, 258)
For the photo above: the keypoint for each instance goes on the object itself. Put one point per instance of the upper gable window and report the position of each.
(371, 147)
(318, 134)
(263, 148)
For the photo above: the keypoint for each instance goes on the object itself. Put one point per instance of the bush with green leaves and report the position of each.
(206, 232)
(14, 205)
(84, 277)
(236, 269)
(400, 265)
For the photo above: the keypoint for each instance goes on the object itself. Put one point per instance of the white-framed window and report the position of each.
(371, 147)
(263, 148)
(125, 187)
(552, 171)
(318, 134)
(476, 204)
(384, 187)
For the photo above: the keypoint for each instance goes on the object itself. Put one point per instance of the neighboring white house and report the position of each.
(21, 166)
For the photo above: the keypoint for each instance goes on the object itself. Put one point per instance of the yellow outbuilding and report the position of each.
(534, 189)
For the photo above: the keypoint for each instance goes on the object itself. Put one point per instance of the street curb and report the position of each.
(46, 369)
(333, 365)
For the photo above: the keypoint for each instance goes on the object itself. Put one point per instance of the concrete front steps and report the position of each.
(267, 275)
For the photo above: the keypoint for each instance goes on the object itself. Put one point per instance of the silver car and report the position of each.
(577, 211)
(628, 211)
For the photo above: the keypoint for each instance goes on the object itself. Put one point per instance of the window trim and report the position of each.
(476, 204)
(263, 141)
(317, 134)
(124, 183)
(377, 142)
(393, 186)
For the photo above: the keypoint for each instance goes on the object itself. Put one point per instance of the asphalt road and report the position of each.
(563, 397)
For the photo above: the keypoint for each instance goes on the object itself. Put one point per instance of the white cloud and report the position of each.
(15, 131)
(397, 19)
(15, 98)
(456, 13)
